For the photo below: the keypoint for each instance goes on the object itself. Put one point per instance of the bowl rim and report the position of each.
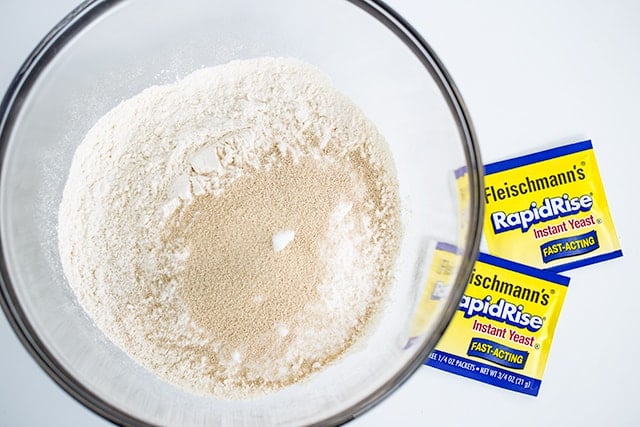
(90, 10)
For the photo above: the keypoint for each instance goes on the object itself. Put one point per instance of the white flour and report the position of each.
(149, 158)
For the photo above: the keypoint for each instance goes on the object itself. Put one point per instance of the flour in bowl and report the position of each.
(235, 231)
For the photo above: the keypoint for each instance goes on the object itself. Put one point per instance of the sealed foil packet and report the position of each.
(549, 209)
(502, 331)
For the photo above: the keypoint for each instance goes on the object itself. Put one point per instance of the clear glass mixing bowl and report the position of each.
(107, 51)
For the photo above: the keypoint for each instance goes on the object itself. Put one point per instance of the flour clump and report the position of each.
(214, 227)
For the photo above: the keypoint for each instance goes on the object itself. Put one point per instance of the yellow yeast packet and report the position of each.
(443, 259)
(549, 209)
(502, 330)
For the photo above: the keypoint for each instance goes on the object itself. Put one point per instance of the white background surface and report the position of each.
(532, 74)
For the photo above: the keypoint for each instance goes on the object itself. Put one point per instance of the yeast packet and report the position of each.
(502, 330)
(549, 209)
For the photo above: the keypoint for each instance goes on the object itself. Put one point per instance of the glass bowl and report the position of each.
(106, 51)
